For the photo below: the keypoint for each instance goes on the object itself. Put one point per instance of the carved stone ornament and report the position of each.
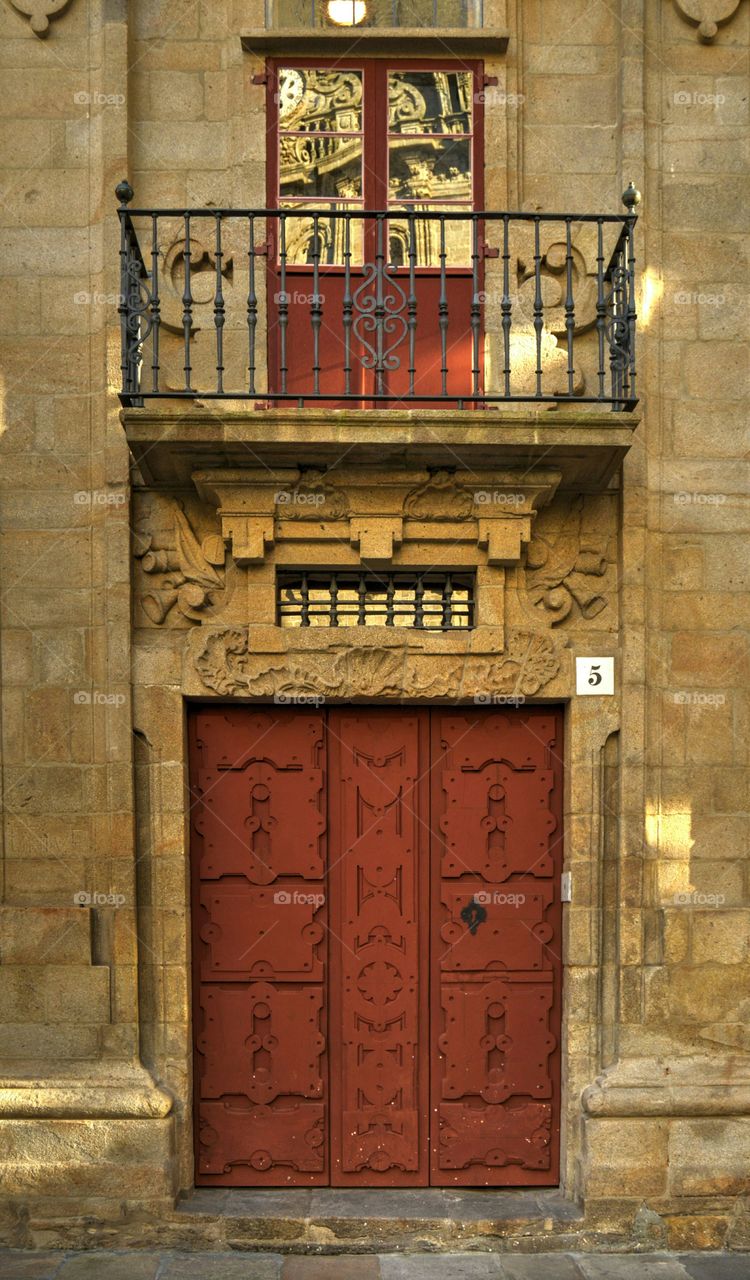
(227, 665)
(187, 573)
(441, 497)
(564, 569)
(312, 498)
(39, 12)
(708, 14)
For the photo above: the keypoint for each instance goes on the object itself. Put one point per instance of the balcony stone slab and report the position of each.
(172, 441)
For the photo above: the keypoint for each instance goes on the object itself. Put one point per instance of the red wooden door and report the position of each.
(328, 1000)
(366, 306)
(497, 822)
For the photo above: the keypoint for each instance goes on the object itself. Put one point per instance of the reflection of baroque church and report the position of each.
(429, 155)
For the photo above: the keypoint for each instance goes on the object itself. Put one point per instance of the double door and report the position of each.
(376, 926)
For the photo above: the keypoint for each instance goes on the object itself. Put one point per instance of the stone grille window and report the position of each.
(427, 601)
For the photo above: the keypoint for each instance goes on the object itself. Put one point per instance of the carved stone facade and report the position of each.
(139, 558)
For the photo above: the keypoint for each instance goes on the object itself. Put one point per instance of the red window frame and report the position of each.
(374, 120)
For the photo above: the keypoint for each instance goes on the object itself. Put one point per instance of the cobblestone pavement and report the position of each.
(137, 1265)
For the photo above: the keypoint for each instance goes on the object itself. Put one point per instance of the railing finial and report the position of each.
(631, 196)
(124, 193)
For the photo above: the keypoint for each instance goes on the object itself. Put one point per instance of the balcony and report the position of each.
(365, 309)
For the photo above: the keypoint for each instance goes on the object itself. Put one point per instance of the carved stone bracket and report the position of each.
(225, 663)
(385, 511)
(708, 15)
(187, 572)
(39, 13)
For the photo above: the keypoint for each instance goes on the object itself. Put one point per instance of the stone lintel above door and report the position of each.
(383, 516)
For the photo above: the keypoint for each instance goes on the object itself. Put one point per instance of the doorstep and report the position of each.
(374, 1220)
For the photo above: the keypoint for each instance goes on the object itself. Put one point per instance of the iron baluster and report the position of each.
(219, 311)
(390, 592)
(283, 302)
(570, 310)
(379, 309)
(348, 304)
(361, 600)
(252, 307)
(506, 306)
(411, 308)
(155, 303)
(124, 194)
(447, 602)
(475, 306)
(333, 596)
(187, 305)
(443, 318)
(538, 306)
(316, 311)
(631, 199)
(601, 305)
(419, 603)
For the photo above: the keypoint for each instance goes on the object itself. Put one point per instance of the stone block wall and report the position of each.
(94, 995)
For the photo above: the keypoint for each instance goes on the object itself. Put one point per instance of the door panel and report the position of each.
(332, 1008)
(496, 948)
(379, 853)
(259, 946)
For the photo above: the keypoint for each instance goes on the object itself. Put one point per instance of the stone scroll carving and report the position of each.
(39, 13)
(226, 665)
(188, 573)
(707, 14)
(566, 567)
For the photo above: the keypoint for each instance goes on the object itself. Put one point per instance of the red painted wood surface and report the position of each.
(327, 995)
(259, 953)
(496, 954)
(379, 851)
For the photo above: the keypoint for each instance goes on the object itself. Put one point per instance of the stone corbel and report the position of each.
(250, 537)
(376, 537)
(502, 538)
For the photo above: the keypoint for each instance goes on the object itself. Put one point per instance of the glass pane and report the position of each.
(316, 167)
(299, 230)
(429, 169)
(422, 235)
(320, 101)
(430, 101)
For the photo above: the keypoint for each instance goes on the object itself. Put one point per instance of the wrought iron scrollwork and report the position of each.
(378, 304)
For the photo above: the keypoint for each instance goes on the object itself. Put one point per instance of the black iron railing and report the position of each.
(360, 307)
